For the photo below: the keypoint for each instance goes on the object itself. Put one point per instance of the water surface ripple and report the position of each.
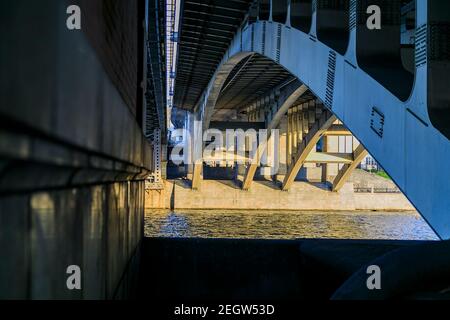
(286, 225)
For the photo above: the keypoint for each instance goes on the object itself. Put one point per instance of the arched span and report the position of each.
(397, 134)
(380, 51)
(209, 98)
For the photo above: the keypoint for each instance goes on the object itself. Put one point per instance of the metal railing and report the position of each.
(360, 189)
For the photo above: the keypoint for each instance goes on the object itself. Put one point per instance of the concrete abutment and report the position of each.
(304, 196)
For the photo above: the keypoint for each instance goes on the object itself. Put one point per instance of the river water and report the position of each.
(286, 225)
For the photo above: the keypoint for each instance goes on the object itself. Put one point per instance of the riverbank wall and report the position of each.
(215, 194)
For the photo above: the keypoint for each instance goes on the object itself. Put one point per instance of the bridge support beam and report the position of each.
(308, 143)
(324, 158)
(195, 150)
(287, 98)
(197, 175)
(343, 175)
(338, 130)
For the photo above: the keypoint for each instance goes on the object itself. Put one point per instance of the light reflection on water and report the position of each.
(286, 225)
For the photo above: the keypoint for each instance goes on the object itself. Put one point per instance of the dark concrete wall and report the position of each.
(54, 82)
(97, 228)
(113, 30)
(72, 155)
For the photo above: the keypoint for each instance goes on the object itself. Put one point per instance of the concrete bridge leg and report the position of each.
(343, 175)
(282, 170)
(285, 101)
(197, 174)
(324, 166)
(337, 157)
(195, 152)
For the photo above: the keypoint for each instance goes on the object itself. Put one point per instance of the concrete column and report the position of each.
(311, 112)
(289, 137)
(281, 112)
(194, 149)
(189, 143)
(164, 161)
(325, 165)
(332, 146)
(294, 129)
(309, 142)
(300, 125)
(283, 159)
(346, 171)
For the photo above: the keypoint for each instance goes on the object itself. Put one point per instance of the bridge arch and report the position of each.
(382, 54)
(209, 99)
(398, 133)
